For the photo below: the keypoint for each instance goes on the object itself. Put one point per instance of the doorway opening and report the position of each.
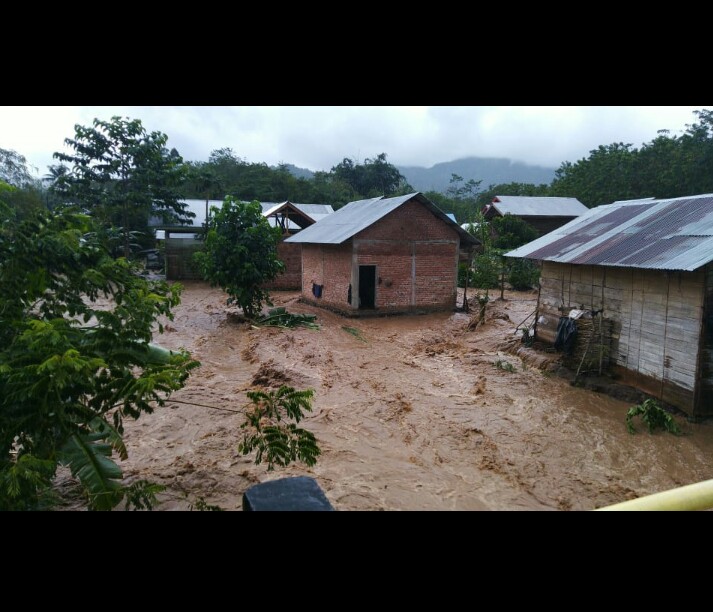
(367, 287)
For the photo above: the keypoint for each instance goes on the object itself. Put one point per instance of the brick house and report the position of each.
(383, 255)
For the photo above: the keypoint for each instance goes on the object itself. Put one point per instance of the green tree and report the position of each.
(512, 189)
(240, 254)
(511, 232)
(14, 169)
(373, 178)
(71, 367)
(608, 174)
(123, 174)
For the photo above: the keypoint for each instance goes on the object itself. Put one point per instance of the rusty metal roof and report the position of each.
(672, 234)
(348, 221)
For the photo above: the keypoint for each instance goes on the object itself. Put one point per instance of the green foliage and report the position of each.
(653, 415)
(141, 495)
(14, 169)
(354, 332)
(501, 364)
(465, 272)
(523, 274)
(375, 177)
(225, 172)
(279, 317)
(668, 166)
(486, 270)
(240, 254)
(122, 175)
(201, 505)
(72, 367)
(275, 441)
(511, 232)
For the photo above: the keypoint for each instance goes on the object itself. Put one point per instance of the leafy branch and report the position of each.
(653, 415)
(275, 441)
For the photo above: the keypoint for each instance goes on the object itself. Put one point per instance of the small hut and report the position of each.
(646, 266)
(383, 255)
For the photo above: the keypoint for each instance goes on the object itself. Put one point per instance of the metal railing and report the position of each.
(698, 496)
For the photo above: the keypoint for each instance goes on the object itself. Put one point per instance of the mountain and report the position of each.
(304, 173)
(491, 170)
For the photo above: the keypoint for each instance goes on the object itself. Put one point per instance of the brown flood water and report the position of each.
(417, 417)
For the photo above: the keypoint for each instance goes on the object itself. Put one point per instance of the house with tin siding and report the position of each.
(383, 255)
(647, 264)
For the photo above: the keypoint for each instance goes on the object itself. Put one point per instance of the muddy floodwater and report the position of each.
(412, 416)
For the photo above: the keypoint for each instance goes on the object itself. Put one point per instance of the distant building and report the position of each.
(544, 214)
(383, 255)
(181, 241)
(647, 265)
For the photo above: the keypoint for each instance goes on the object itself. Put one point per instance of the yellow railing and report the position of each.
(698, 496)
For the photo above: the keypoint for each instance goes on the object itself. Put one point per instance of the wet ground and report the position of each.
(415, 415)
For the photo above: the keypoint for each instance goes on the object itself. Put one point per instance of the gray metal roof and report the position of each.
(672, 234)
(526, 206)
(348, 221)
(313, 211)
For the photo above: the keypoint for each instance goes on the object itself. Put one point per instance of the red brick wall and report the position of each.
(411, 221)
(330, 266)
(410, 236)
(291, 255)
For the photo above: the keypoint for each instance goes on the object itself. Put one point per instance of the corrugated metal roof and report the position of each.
(672, 234)
(529, 206)
(315, 211)
(197, 207)
(357, 216)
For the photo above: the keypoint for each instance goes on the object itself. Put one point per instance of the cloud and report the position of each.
(320, 137)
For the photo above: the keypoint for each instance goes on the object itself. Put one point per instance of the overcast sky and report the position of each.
(320, 137)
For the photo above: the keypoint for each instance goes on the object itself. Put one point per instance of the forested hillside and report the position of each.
(489, 170)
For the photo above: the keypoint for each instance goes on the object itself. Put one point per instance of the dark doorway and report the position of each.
(367, 287)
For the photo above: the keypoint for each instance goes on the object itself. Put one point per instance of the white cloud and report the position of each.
(319, 137)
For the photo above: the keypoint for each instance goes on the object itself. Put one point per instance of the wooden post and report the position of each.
(465, 290)
(502, 277)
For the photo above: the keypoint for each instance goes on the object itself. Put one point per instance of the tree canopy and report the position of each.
(122, 175)
(240, 254)
(71, 367)
(227, 173)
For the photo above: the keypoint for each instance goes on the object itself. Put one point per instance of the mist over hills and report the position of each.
(491, 170)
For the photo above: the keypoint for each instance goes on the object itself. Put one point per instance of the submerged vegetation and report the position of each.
(653, 415)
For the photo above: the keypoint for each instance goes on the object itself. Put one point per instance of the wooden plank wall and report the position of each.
(656, 319)
(705, 395)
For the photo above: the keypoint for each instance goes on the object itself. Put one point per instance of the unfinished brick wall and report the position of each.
(329, 265)
(291, 255)
(415, 254)
(415, 257)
